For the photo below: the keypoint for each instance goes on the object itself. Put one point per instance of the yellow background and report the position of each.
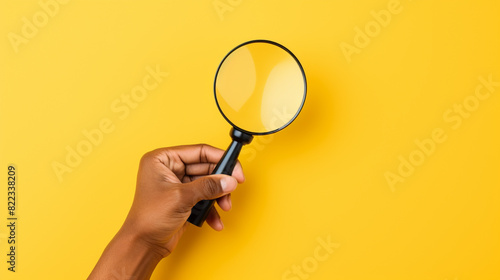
(322, 176)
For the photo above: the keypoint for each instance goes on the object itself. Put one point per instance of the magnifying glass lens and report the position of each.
(260, 87)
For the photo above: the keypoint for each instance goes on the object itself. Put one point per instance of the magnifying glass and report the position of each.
(260, 88)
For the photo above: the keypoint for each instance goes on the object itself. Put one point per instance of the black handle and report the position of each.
(226, 165)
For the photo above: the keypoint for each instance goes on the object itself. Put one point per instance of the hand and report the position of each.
(170, 182)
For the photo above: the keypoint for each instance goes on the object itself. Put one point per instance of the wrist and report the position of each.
(142, 239)
(127, 256)
(140, 245)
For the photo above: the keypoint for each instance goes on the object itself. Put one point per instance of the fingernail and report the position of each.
(227, 184)
(223, 184)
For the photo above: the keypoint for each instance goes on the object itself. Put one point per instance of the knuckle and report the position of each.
(147, 157)
(204, 146)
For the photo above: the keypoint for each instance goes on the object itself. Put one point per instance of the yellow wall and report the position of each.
(371, 97)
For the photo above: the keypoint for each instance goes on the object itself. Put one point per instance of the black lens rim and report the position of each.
(303, 76)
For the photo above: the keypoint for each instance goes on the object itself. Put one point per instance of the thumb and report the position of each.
(210, 187)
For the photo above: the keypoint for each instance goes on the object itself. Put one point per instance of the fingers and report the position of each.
(199, 155)
(213, 218)
(225, 202)
(238, 173)
(208, 187)
(211, 187)
(196, 170)
(194, 160)
(214, 221)
(189, 154)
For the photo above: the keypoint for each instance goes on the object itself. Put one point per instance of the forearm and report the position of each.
(126, 257)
